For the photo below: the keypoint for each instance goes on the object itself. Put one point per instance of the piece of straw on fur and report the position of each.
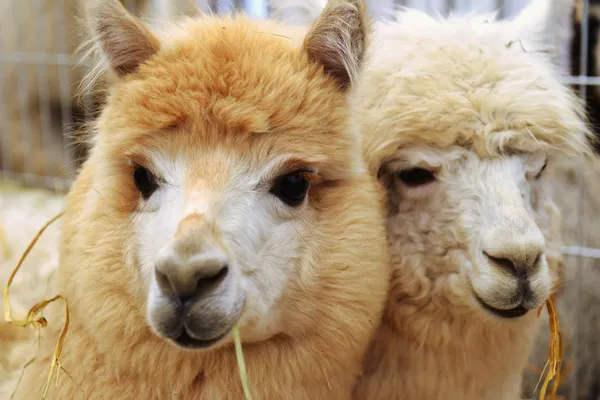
(240, 361)
(552, 369)
(32, 318)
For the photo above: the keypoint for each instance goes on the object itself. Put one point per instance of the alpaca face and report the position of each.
(474, 220)
(218, 236)
(234, 194)
(458, 119)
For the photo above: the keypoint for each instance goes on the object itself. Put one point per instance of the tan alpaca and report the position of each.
(222, 188)
(459, 118)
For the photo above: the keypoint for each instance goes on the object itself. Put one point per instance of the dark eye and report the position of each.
(539, 175)
(145, 181)
(416, 177)
(291, 188)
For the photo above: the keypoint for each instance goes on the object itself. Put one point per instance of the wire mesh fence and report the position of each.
(39, 74)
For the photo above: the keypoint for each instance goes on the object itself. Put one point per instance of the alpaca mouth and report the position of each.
(516, 312)
(186, 341)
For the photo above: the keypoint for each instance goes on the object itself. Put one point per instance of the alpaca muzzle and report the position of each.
(194, 300)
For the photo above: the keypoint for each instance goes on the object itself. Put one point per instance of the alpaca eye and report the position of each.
(291, 188)
(416, 177)
(145, 181)
(539, 174)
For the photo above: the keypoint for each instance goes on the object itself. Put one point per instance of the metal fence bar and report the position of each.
(580, 251)
(23, 89)
(37, 58)
(5, 140)
(581, 80)
(45, 125)
(64, 83)
(583, 60)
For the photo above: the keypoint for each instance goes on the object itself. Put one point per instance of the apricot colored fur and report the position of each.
(227, 93)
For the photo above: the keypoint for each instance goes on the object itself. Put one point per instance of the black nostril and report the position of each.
(205, 283)
(216, 278)
(208, 282)
(163, 281)
(502, 262)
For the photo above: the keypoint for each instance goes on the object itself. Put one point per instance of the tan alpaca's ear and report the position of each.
(337, 39)
(122, 39)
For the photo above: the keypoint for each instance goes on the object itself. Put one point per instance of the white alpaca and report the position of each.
(459, 118)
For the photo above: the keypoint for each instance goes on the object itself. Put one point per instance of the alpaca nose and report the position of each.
(518, 254)
(189, 277)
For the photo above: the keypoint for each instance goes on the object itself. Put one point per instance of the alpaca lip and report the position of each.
(516, 312)
(186, 341)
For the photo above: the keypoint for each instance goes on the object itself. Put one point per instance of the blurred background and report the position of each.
(42, 143)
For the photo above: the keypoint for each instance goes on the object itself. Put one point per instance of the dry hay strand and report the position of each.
(552, 369)
(33, 320)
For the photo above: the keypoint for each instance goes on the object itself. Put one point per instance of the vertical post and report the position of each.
(45, 125)
(66, 102)
(5, 134)
(26, 142)
(583, 72)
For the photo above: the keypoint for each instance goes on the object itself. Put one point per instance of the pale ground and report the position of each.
(22, 213)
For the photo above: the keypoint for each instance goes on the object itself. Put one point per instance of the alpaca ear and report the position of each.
(546, 24)
(337, 39)
(121, 38)
(535, 17)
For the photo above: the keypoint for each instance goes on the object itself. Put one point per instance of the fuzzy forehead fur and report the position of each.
(205, 80)
(468, 81)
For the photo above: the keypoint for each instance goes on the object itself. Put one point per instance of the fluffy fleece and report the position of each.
(452, 113)
(218, 109)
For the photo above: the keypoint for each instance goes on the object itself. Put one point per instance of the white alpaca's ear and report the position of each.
(121, 38)
(338, 38)
(547, 24)
(535, 18)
